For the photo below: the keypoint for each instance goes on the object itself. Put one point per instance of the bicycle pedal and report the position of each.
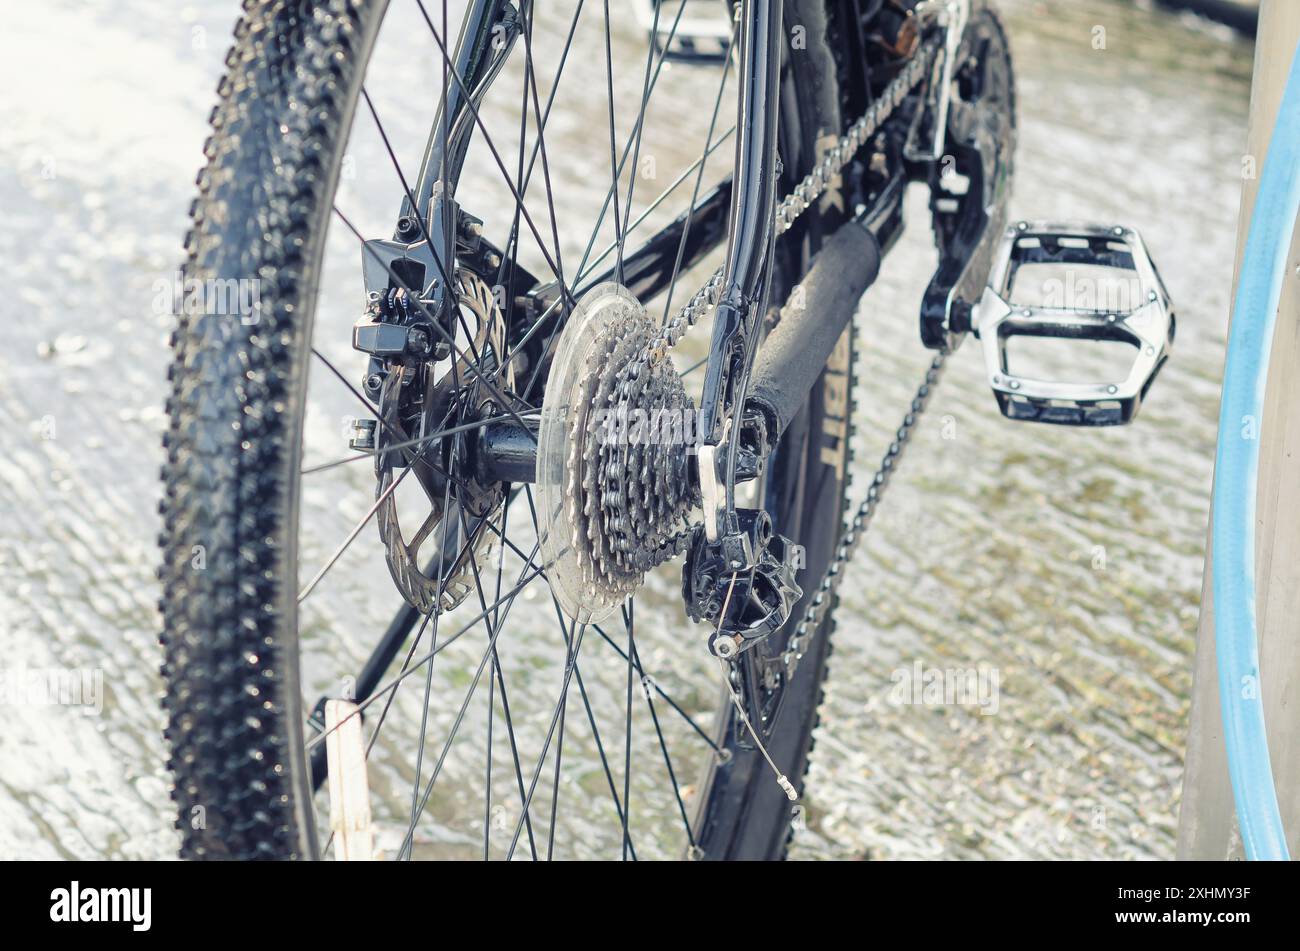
(700, 34)
(1073, 282)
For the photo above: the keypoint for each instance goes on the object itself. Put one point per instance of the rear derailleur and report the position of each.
(741, 581)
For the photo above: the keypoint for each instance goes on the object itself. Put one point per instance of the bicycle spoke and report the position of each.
(338, 553)
(569, 667)
(627, 741)
(451, 737)
(428, 671)
(442, 111)
(500, 680)
(614, 168)
(566, 631)
(487, 781)
(509, 264)
(487, 778)
(639, 134)
(657, 689)
(600, 220)
(695, 366)
(530, 83)
(436, 617)
(374, 411)
(526, 579)
(668, 760)
(512, 244)
(397, 167)
(555, 786)
(555, 85)
(699, 179)
(649, 210)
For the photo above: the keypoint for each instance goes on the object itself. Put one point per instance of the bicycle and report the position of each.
(508, 381)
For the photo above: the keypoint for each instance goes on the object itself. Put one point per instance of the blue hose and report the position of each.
(1236, 469)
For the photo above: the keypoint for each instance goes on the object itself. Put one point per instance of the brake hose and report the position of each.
(1245, 375)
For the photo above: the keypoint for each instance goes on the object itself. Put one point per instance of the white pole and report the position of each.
(349, 788)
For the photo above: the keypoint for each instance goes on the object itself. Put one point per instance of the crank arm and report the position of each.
(948, 307)
(969, 169)
(952, 16)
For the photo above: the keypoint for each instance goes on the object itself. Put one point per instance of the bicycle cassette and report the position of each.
(612, 457)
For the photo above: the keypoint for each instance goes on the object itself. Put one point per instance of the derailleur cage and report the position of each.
(744, 583)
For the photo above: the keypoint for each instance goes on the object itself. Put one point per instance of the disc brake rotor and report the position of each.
(467, 506)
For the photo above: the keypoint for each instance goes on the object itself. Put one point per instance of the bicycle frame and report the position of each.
(740, 210)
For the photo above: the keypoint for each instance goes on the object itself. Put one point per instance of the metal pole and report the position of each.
(1207, 826)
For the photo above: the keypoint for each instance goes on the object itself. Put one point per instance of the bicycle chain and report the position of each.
(852, 536)
(832, 163)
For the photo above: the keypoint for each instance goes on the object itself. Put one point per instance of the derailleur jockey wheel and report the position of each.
(415, 401)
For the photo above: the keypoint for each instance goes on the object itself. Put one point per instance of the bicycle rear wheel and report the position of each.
(577, 753)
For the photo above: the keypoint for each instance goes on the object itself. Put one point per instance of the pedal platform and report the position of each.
(700, 34)
(1074, 282)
